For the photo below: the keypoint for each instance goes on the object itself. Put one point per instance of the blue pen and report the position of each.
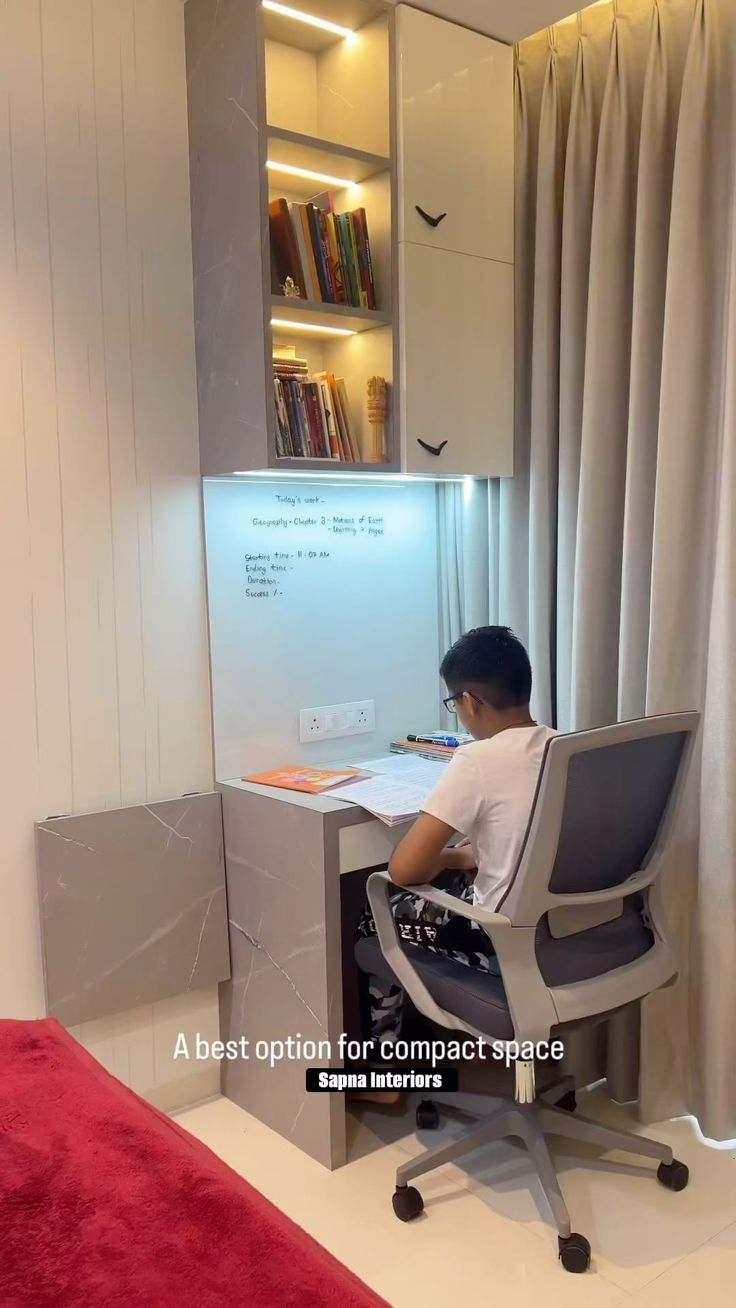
(439, 739)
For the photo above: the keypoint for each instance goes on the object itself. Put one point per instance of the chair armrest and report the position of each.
(379, 887)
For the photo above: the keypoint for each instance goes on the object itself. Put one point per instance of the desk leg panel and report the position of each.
(286, 966)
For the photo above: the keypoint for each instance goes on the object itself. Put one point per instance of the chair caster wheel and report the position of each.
(568, 1103)
(574, 1252)
(674, 1175)
(428, 1116)
(407, 1202)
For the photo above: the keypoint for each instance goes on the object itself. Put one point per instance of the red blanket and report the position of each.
(106, 1203)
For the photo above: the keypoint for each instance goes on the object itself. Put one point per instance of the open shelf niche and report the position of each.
(327, 113)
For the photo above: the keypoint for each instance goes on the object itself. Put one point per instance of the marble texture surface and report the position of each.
(226, 168)
(285, 950)
(132, 906)
(288, 956)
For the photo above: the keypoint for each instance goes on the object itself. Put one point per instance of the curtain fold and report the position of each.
(611, 552)
(597, 579)
(577, 222)
(691, 1031)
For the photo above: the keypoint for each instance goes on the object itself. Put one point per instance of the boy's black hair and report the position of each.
(492, 662)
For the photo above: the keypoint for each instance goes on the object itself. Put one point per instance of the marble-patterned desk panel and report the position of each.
(132, 904)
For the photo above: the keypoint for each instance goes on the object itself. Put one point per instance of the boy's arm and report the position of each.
(452, 806)
(423, 853)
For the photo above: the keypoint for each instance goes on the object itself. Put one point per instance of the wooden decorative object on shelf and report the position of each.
(377, 412)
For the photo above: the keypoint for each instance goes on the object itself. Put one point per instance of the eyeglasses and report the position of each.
(452, 700)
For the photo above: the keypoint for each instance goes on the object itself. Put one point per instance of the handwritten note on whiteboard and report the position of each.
(319, 594)
(296, 532)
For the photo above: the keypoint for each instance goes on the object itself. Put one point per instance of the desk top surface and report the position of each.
(315, 803)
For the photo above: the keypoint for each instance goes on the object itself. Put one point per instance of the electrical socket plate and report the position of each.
(335, 720)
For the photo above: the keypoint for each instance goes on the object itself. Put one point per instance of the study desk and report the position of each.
(296, 867)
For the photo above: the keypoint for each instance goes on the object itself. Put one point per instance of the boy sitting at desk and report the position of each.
(486, 794)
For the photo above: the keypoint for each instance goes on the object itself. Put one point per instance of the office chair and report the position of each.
(579, 935)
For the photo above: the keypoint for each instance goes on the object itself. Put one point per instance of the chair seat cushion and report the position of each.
(479, 998)
(476, 997)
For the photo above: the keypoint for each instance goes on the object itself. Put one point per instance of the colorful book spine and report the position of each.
(335, 259)
(318, 252)
(303, 416)
(342, 396)
(301, 244)
(300, 418)
(293, 421)
(362, 300)
(313, 292)
(364, 255)
(284, 245)
(328, 419)
(284, 446)
(317, 429)
(327, 257)
(347, 259)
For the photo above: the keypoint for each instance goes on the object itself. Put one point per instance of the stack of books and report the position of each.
(312, 416)
(327, 255)
(425, 749)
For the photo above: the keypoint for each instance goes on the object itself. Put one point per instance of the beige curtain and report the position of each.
(613, 549)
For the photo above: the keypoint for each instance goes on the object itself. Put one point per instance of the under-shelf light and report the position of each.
(292, 171)
(310, 19)
(286, 325)
(346, 477)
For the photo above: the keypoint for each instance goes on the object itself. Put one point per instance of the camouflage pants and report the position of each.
(423, 924)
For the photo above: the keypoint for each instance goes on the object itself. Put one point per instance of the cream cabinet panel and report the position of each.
(455, 137)
(457, 374)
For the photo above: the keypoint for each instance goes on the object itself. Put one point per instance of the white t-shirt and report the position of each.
(487, 794)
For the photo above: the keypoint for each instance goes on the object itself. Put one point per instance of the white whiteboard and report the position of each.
(319, 594)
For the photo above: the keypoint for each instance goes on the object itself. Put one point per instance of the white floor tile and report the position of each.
(637, 1229)
(705, 1277)
(459, 1248)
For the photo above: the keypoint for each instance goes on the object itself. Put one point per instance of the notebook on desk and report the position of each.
(311, 781)
(396, 791)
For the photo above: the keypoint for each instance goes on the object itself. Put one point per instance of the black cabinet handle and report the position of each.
(433, 222)
(432, 449)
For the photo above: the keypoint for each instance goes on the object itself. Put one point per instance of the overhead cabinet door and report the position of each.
(455, 133)
(457, 392)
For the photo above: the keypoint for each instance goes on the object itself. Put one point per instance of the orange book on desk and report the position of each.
(312, 781)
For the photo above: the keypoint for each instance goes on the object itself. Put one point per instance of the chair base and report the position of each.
(532, 1123)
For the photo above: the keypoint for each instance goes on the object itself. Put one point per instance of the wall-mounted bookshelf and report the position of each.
(328, 201)
(372, 117)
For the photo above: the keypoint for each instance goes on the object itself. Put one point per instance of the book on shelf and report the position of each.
(310, 781)
(286, 362)
(312, 415)
(327, 255)
(286, 261)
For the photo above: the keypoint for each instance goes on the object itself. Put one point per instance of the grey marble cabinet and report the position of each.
(230, 296)
(132, 905)
(296, 868)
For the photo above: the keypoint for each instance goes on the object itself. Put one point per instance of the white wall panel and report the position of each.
(103, 657)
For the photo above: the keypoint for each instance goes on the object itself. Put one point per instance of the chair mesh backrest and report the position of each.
(615, 800)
